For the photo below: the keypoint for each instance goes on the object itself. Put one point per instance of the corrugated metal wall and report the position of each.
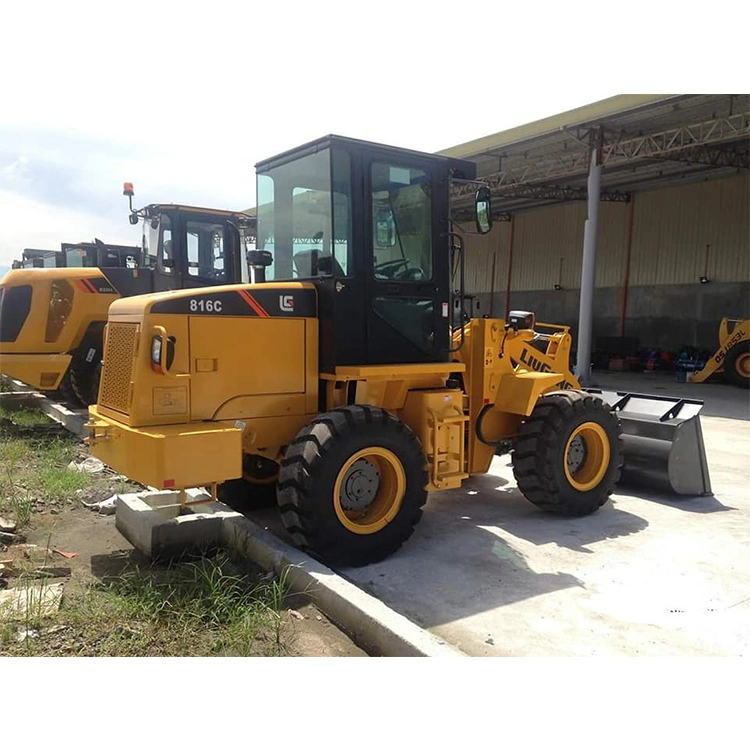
(671, 229)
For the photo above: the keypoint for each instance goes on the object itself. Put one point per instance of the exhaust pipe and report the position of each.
(662, 441)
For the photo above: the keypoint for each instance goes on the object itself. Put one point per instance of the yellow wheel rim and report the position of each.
(369, 490)
(742, 365)
(586, 456)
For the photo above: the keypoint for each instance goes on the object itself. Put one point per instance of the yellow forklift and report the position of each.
(52, 319)
(344, 382)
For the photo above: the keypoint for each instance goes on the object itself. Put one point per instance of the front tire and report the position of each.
(352, 485)
(737, 365)
(567, 456)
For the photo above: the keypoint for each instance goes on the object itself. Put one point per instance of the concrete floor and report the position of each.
(645, 575)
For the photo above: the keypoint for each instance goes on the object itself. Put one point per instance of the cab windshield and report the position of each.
(304, 217)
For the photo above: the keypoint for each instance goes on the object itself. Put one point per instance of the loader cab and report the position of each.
(97, 254)
(369, 226)
(193, 247)
(33, 258)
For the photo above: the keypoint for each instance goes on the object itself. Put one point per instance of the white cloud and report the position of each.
(15, 171)
(42, 226)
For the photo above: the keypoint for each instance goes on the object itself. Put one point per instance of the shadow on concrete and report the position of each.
(514, 513)
(688, 503)
(466, 555)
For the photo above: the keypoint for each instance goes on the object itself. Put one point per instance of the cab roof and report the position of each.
(460, 167)
(200, 210)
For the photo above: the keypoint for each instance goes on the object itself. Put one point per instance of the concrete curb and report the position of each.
(154, 524)
(371, 624)
(71, 420)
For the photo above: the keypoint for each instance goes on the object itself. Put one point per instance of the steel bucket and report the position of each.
(662, 442)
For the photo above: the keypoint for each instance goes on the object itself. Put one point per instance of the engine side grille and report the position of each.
(119, 360)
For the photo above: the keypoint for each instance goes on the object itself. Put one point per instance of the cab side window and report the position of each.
(205, 250)
(165, 259)
(401, 223)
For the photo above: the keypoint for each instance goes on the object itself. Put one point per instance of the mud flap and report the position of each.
(662, 442)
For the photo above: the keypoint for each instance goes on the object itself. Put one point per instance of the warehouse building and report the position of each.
(672, 225)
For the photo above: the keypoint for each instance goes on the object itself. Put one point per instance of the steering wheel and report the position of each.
(391, 264)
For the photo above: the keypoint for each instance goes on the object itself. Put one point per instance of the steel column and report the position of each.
(510, 265)
(588, 272)
(626, 275)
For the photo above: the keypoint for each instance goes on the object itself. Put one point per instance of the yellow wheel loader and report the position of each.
(343, 381)
(732, 358)
(52, 319)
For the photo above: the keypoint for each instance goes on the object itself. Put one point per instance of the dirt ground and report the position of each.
(103, 552)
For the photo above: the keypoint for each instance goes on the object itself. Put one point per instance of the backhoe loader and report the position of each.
(343, 380)
(52, 319)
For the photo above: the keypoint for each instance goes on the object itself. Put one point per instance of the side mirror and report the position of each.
(133, 219)
(483, 209)
(260, 258)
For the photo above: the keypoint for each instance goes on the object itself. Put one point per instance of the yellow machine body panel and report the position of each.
(272, 381)
(386, 386)
(169, 456)
(437, 418)
(43, 371)
(64, 303)
(255, 373)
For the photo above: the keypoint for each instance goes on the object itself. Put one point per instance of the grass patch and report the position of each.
(12, 453)
(62, 483)
(33, 470)
(209, 607)
(25, 417)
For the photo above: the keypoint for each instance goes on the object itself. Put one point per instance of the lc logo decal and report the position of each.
(286, 302)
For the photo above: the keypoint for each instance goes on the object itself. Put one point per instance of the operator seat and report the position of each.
(315, 262)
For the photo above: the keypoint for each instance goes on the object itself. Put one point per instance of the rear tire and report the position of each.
(257, 487)
(85, 384)
(737, 365)
(65, 392)
(567, 456)
(352, 485)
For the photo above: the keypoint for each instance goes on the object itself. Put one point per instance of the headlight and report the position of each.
(156, 354)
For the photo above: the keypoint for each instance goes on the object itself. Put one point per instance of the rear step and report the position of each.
(662, 441)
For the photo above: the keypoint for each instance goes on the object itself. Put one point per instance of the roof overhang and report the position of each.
(643, 142)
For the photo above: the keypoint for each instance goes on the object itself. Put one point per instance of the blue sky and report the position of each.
(183, 99)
